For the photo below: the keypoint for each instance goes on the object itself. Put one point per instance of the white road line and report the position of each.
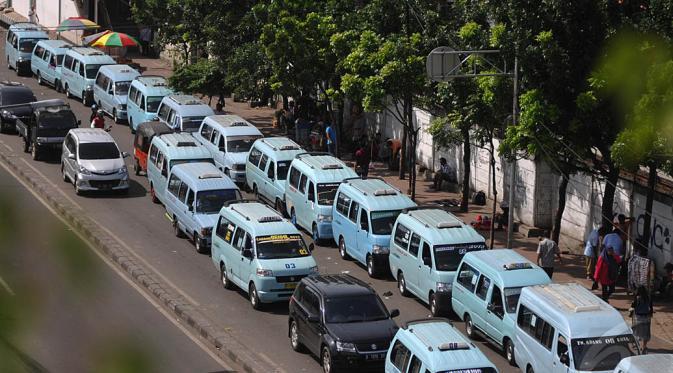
(7, 146)
(146, 263)
(266, 358)
(121, 274)
(56, 187)
(6, 286)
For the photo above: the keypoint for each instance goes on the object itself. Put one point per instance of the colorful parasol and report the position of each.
(91, 38)
(76, 23)
(115, 39)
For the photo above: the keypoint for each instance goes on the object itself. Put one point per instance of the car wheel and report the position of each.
(469, 327)
(225, 279)
(153, 194)
(200, 247)
(254, 297)
(402, 285)
(432, 301)
(65, 177)
(78, 191)
(39, 79)
(35, 152)
(26, 145)
(66, 89)
(136, 166)
(114, 116)
(326, 360)
(371, 269)
(176, 228)
(342, 249)
(314, 233)
(509, 352)
(2, 127)
(294, 337)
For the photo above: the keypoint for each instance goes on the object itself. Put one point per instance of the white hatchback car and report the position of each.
(91, 160)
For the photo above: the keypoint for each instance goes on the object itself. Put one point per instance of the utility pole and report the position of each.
(512, 176)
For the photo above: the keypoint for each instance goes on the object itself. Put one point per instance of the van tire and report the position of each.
(293, 218)
(176, 228)
(133, 131)
(529, 369)
(434, 309)
(372, 271)
(136, 166)
(57, 86)
(39, 79)
(26, 145)
(255, 192)
(153, 194)
(66, 90)
(201, 249)
(342, 249)
(402, 284)
(85, 102)
(279, 207)
(224, 278)
(254, 298)
(469, 327)
(9, 67)
(509, 352)
(314, 233)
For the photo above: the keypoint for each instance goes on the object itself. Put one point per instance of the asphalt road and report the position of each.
(73, 312)
(140, 226)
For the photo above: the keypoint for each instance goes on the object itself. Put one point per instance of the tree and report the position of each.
(202, 77)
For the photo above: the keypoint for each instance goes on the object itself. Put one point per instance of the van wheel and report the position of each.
(136, 166)
(225, 279)
(9, 67)
(176, 228)
(529, 369)
(153, 195)
(434, 309)
(372, 271)
(279, 207)
(35, 152)
(342, 249)
(255, 192)
(254, 298)
(26, 145)
(114, 116)
(314, 233)
(57, 86)
(67, 91)
(39, 79)
(293, 217)
(133, 131)
(402, 285)
(509, 352)
(469, 327)
(200, 247)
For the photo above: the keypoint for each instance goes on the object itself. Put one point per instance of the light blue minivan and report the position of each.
(257, 250)
(425, 249)
(19, 45)
(434, 346)
(111, 89)
(80, 67)
(183, 113)
(145, 95)
(266, 169)
(486, 292)
(165, 152)
(363, 216)
(195, 193)
(310, 189)
(47, 61)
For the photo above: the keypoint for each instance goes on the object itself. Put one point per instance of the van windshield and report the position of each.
(326, 193)
(281, 246)
(153, 103)
(471, 370)
(602, 353)
(92, 70)
(190, 124)
(122, 88)
(181, 161)
(283, 167)
(447, 257)
(60, 120)
(512, 299)
(383, 221)
(354, 309)
(240, 144)
(27, 45)
(98, 150)
(211, 201)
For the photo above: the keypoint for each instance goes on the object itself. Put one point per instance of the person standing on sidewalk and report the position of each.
(641, 317)
(591, 251)
(547, 252)
(607, 270)
(32, 15)
(330, 136)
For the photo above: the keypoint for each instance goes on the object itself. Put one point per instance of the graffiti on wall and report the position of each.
(661, 235)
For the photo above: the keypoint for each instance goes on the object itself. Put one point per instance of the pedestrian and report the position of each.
(640, 270)
(145, 40)
(547, 252)
(443, 174)
(591, 251)
(362, 160)
(99, 121)
(330, 137)
(607, 270)
(615, 239)
(219, 106)
(32, 15)
(94, 112)
(641, 317)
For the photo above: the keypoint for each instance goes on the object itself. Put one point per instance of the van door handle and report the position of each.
(241, 259)
(216, 244)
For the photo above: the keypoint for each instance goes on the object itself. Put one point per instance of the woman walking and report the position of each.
(607, 270)
(641, 317)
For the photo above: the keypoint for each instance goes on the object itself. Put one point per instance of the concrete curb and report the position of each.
(224, 343)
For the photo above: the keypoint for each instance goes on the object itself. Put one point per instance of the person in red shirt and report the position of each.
(99, 121)
(607, 270)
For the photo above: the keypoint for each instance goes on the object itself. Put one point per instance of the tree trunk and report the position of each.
(412, 176)
(285, 102)
(495, 195)
(340, 125)
(556, 228)
(409, 114)
(651, 184)
(403, 154)
(609, 196)
(467, 154)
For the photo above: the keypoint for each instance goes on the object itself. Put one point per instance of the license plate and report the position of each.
(290, 285)
(380, 356)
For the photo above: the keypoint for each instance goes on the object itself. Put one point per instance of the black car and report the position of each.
(341, 320)
(12, 94)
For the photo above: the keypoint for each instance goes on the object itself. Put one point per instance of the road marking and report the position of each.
(7, 146)
(52, 184)
(6, 286)
(146, 263)
(121, 274)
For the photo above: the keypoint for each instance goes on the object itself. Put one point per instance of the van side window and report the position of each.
(496, 302)
(271, 173)
(399, 356)
(132, 94)
(206, 130)
(343, 203)
(353, 213)
(153, 154)
(254, 156)
(141, 101)
(302, 184)
(562, 349)
(221, 227)
(174, 185)
(171, 116)
(183, 191)
(415, 244)
(467, 276)
(311, 191)
(54, 60)
(482, 287)
(163, 113)
(426, 256)
(67, 61)
(38, 51)
(100, 79)
(294, 177)
(402, 236)
(46, 56)
(536, 327)
(239, 239)
(220, 144)
(81, 69)
(364, 220)
(415, 365)
(262, 162)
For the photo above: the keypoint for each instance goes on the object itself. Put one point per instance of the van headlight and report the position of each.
(345, 346)
(264, 272)
(205, 232)
(313, 270)
(377, 249)
(444, 287)
(84, 171)
(324, 218)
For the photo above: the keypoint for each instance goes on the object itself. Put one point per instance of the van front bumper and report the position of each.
(237, 176)
(269, 290)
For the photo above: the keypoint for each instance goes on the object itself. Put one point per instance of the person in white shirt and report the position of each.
(32, 15)
(444, 173)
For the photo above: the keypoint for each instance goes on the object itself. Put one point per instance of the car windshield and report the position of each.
(447, 257)
(153, 103)
(240, 144)
(470, 370)
(17, 96)
(283, 167)
(326, 193)
(181, 161)
(58, 120)
(27, 45)
(383, 221)
(211, 201)
(602, 353)
(92, 70)
(122, 88)
(512, 299)
(191, 124)
(281, 246)
(98, 150)
(354, 309)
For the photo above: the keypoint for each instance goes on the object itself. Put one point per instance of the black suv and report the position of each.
(341, 320)
(16, 97)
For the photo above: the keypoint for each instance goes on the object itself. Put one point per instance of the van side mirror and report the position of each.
(247, 253)
(125, 154)
(394, 313)
(312, 318)
(565, 360)
(311, 247)
(71, 156)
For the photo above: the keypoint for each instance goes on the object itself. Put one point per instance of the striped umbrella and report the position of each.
(115, 39)
(87, 40)
(76, 23)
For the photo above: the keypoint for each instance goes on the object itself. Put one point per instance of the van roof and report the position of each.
(86, 135)
(94, 55)
(155, 85)
(513, 269)
(646, 363)
(55, 43)
(325, 168)
(378, 195)
(575, 309)
(189, 105)
(232, 125)
(121, 72)
(28, 30)
(441, 227)
(261, 218)
(283, 148)
(443, 346)
(203, 176)
(181, 146)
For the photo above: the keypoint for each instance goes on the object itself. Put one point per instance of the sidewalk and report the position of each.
(572, 269)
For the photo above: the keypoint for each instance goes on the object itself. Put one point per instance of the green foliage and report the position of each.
(203, 77)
